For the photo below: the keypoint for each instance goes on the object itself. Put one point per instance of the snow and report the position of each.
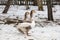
(49, 31)
(8, 32)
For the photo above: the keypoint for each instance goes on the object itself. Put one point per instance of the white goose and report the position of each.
(26, 26)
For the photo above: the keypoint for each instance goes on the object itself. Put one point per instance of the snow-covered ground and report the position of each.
(49, 31)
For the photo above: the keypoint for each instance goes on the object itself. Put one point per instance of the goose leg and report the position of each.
(21, 31)
(27, 30)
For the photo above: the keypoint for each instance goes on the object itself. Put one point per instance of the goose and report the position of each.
(25, 26)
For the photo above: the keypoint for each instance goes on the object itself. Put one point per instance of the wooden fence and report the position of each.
(22, 2)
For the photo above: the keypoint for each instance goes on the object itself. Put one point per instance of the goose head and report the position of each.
(25, 16)
(33, 11)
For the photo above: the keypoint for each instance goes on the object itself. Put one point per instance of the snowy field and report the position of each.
(49, 31)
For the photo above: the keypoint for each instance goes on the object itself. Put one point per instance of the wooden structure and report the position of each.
(30, 2)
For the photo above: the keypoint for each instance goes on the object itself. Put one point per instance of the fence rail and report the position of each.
(22, 2)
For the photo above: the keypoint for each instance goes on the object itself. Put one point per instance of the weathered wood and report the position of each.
(7, 6)
(49, 6)
(27, 5)
(40, 5)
